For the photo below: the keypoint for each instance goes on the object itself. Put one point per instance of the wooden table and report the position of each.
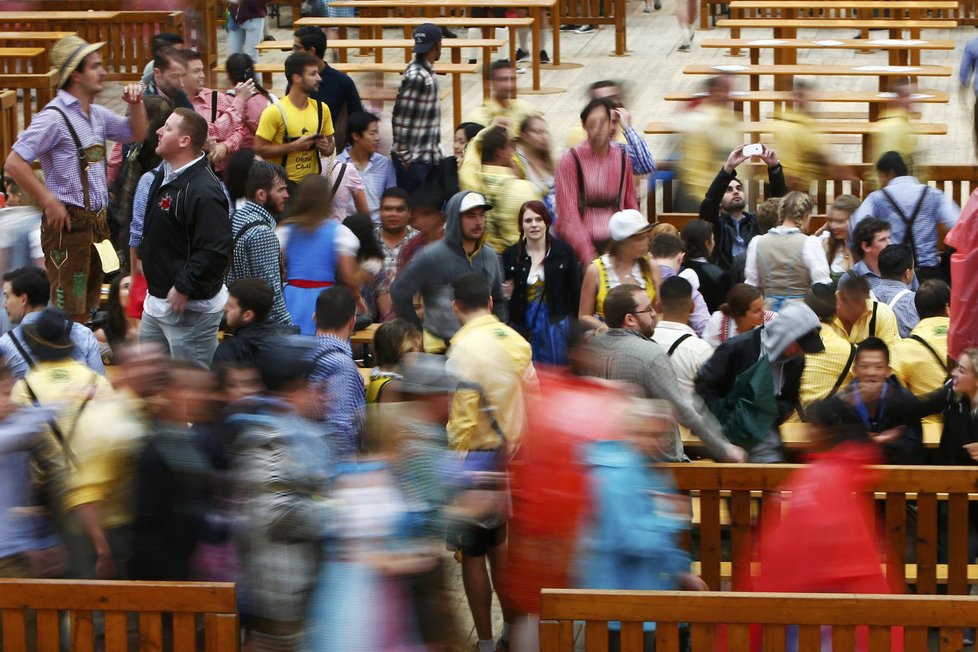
(784, 74)
(408, 25)
(24, 60)
(754, 98)
(454, 46)
(456, 70)
(788, 27)
(364, 335)
(901, 52)
(432, 8)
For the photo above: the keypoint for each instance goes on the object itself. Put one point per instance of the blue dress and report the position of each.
(308, 257)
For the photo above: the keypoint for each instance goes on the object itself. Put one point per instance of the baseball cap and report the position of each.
(624, 224)
(426, 37)
(473, 200)
(811, 342)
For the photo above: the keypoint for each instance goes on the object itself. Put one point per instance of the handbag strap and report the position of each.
(845, 371)
(675, 345)
(872, 320)
(941, 363)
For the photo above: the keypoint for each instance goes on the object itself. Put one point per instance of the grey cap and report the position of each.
(425, 373)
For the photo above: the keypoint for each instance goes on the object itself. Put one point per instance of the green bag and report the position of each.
(749, 410)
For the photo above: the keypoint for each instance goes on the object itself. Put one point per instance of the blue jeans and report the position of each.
(246, 37)
(190, 336)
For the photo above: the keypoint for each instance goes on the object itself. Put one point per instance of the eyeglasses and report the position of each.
(650, 309)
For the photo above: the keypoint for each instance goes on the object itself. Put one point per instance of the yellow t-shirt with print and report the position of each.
(297, 123)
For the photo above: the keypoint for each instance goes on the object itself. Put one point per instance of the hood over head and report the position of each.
(795, 320)
(453, 226)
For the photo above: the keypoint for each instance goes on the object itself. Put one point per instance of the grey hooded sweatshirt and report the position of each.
(432, 271)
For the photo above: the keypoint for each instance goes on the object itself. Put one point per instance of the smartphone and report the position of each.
(755, 149)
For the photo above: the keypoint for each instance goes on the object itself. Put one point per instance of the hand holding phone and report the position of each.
(755, 149)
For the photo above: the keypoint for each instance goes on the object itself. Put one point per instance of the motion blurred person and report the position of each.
(501, 103)
(803, 150)
(281, 464)
(895, 132)
(533, 151)
(709, 135)
(392, 342)
(428, 218)
(492, 363)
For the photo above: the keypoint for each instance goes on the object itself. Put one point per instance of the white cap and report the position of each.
(624, 224)
(473, 200)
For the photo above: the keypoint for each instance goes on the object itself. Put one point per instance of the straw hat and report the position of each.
(68, 53)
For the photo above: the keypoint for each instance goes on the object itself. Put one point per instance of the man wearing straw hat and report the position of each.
(68, 136)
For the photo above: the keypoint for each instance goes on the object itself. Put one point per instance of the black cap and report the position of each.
(811, 342)
(49, 336)
(426, 37)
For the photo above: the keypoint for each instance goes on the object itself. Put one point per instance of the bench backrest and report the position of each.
(216, 603)
(955, 181)
(718, 618)
(745, 489)
(8, 123)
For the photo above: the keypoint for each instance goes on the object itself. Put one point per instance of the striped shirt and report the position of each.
(602, 176)
(227, 126)
(416, 118)
(916, 367)
(48, 139)
(822, 370)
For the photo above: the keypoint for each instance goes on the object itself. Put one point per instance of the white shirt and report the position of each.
(687, 358)
(812, 254)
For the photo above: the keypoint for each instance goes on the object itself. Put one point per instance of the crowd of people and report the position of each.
(211, 421)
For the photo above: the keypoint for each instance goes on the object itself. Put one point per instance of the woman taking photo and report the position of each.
(546, 284)
(743, 311)
(784, 262)
(318, 253)
(627, 261)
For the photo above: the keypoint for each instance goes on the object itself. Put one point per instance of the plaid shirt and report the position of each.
(48, 139)
(417, 115)
(257, 255)
(336, 374)
(391, 266)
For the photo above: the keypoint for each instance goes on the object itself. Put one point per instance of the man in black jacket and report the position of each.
(186, 244)
(246, 314)
(724, 204)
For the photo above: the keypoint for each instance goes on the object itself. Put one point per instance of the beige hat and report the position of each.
(68, 53)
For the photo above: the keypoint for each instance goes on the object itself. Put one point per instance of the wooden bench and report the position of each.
(23, 60)
(456, 70)
(784, 74)
(8, 123)
(80, 600)
(955, 181)
(454, 46)
(788, 27)
(747, 488)
(127, 34)
(901, 52)
(753, 99)
(38, 90)
(407, 24)
(727, 617)
(862, 129)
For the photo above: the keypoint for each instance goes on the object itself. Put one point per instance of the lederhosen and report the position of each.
(584, 202)
(73, 265)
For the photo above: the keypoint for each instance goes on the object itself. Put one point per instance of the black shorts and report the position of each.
(475, 541)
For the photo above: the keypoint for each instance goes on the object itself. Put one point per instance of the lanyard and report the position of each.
(863, 411)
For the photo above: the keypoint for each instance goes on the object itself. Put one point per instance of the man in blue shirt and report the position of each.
(893, 289)
(336, 88)
(25, 294)
(913, 211)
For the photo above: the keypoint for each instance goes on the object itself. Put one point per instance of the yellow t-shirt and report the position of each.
(915, 366)
(297, 123)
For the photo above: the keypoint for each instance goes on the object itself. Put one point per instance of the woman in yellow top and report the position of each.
(627, 261)
(392, 341)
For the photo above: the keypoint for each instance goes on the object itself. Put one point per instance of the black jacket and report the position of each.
(717, 375)
(243, 347)
(187, 234)
(960, 426)
(714, 282)
(562, 281)
(724, 227)
(899, 409)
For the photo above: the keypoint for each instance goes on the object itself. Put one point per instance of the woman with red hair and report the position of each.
(544, 282)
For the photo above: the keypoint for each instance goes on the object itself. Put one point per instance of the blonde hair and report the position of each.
(845, 203)
(663, 227)
(795, 206)
(972, 356)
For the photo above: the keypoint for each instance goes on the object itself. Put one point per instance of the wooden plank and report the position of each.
(821, 44)
(957, 544)
(952, 639)
(926, 543)
(740, 537)
(666, 638)
(116, 632)
(556, 636)
(879, 639)
(14, 630)
(738, 635)
(809, 638)
(843, 638)
(403, 21)
(632, 636)
(48, 631)
(710, 538)
(184, 631)
(193, 597)
(82, 631)
(774, 638)
(896, 533)
(821, 70)
(220, 632)
(826, 127)
(830, 23)
(150, 631)
(915, 638)
(703, 636)
(815, 5)
(596, 636)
